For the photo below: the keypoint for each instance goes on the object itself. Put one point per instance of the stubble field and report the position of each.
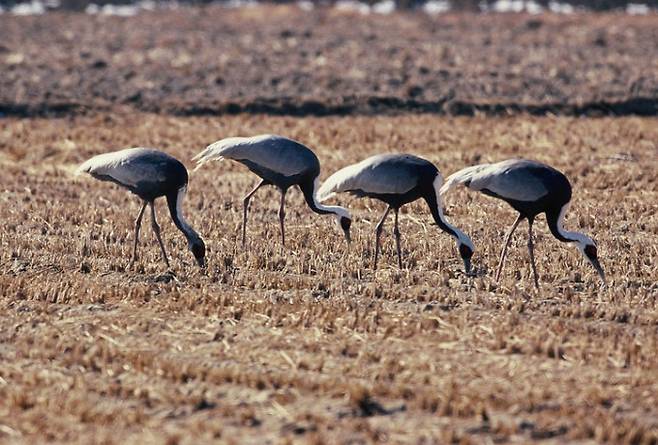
(307, 343)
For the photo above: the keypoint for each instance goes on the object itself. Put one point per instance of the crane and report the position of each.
(149, 174)
(397, 179)
(281, 162)
(531, 188)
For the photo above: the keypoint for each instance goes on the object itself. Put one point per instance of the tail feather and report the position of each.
(326, 191)
(463, 176)
(213, 152)
(83, 168)
(338, 182)
(98, 162)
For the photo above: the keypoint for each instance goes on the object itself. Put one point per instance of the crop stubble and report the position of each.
(307, 343)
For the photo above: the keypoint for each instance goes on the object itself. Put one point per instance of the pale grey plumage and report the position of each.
(531, 188)
(272, 152)
(129, 167)
(149, 174)
(508, 179)
(278, 161)
(397, 179)
(374, 175)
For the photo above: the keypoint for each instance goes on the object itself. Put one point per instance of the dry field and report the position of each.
(307, 343)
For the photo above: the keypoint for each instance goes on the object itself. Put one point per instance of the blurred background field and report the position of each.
(283, 59)
(379, 6)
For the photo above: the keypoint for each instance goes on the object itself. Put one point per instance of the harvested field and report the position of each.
(282, 60)
(307, 343)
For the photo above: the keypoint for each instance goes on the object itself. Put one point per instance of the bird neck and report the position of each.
(175, 203)
(436, 208)
(310, 195)
(556, 226)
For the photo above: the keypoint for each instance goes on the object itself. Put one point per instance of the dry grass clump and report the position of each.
(307, 343)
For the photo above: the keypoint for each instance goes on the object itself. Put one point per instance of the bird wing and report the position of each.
(128, 167)
(511, 179)
(381, 174)
(275, 153)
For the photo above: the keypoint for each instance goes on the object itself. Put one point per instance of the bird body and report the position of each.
(278, 161)
(146, 172)
(282, 161)
(396, 179)
(531, 188)
(392, 178)
(149, 174)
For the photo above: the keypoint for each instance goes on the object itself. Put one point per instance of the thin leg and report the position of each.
(138, 224)
(156, 229)
(282, 215)
(531, 249)
(503, 255)
(245, 203)
(397, 239)
(378, 233)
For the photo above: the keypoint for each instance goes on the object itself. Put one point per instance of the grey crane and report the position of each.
(281, 162)
(149, 174)
(531, 188)
(397, 179)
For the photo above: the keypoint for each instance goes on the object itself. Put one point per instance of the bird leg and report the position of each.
(156, 229)
(138, 224)
(282, 215)
(396, 231)
(531, 249)
(245, 203)
(378, 233)
(503, 255)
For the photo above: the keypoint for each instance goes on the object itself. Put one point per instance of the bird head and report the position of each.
(466, 249)
(198, 248)
(344, 220)
(587, 247)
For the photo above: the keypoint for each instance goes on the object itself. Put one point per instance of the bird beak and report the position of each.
(467, 265)
(348, 238)
(201, 262)
(597, 266)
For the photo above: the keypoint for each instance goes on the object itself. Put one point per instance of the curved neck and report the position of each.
(175, 203)
(434, 202)
(555, 224)
(309, 190)
(439, 218)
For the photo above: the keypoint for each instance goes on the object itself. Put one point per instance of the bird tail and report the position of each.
(89, 165)
(463, 176)
(213, 152)
(332, 185)
(326, 191)
(83, 168)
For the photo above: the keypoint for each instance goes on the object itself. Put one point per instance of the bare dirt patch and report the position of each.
(281, 60)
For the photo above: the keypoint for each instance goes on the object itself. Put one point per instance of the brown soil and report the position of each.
(280, 60)
(307, 344)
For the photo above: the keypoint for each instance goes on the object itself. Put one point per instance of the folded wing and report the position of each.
(275, 153)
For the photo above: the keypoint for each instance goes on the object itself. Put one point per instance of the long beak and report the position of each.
(599, 269)
(467, 265)
(348, 238)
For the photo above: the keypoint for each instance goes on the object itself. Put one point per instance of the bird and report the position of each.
(149, 174)
(397, 179)
(531, 188)
(281, 162)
